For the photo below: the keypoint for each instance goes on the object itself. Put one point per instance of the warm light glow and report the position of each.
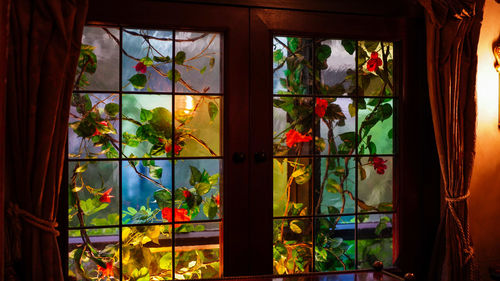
(189, 105)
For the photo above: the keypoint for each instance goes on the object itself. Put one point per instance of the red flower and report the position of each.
(105, 197)
(293, 137)
(106, 272)
(186, 193)
(179, 215)
(217, 200)
(374, 62)
(320, 108)
(97, 133)
(140, 67)
(177, 148)
(379, 165)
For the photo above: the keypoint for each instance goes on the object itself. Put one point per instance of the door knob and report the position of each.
(238, 157)
(260, 156)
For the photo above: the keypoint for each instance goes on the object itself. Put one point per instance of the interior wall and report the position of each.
(485, 187)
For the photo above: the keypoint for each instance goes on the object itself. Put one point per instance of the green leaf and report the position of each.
(162, 59)
(372, 147)
(333, 186)
(162, 122)
(138, 81)
(371, 46)
(277, 55)
(210, 209)
(82, 168)
(180, 57)
(304, 176)
(296, 226)
(213, 179)
(323, 52)
(166, 261)
(92, 205)
(155, 172)
(112, 109)
(389, 134)
(348, 137)
(203, 69)
(140, 275)
(352, 110)
(213, 110)
(146, 115)
(147, 61)
(293, 43)
(333, 210)
(385, 111)
(163, 198)
(177, 75)
(202, 188)
(349, 46)
(211, 63)
(195, 176)
(381, 225)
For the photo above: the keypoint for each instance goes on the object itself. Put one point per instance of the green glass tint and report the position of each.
(198, 62)
(375, 68)
(335, 67)
(335, 247)
(335, 126)
(98, 259)
(147, 125)
(147, 252)
(197, 126)
(93, 194)
(292, 186)
(375, 126)
(292, 126)
(375, 181)
(93, 126)
(292, 246)
(374, 240)
(197, 251)
(335, 188)
(197, 189)
(292, 66)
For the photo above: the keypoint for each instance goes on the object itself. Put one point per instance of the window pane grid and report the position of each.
(368, 93)
(172, 156)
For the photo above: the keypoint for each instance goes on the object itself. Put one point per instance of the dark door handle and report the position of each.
(260, 156)
(239, 157)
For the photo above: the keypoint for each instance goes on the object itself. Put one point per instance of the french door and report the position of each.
(255, 134)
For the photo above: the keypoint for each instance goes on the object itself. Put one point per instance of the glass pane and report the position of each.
(93, 126)
(292, 183)
(335, 65)
(375, 126)
(375, 184)
(93, 194)
(198, 125)
(375, 65)
(374, 240)
(197, 189)
(335, 188)
(292, 66)
(147, 252)
(335, 247)
(197, 251)
(292, 248)
(98, 63)
(198, 62)
(292, 126)
(147, 125)
(102, 263)
(147, 191)
(335, 133)
(147, 60)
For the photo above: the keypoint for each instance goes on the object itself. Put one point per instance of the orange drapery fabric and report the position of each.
(452, 28)
(43, 49)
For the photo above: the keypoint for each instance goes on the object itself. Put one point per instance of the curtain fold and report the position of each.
(452, 29)
(44, 45)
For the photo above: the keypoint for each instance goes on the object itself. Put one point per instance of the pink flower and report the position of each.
(293, 137)
(379, 165)
(140, 67)
(179, 215)
(186, 193)
(105, 197)
(374, 62)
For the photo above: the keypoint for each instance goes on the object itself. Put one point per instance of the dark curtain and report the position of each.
(452, 36)
(43, 49)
